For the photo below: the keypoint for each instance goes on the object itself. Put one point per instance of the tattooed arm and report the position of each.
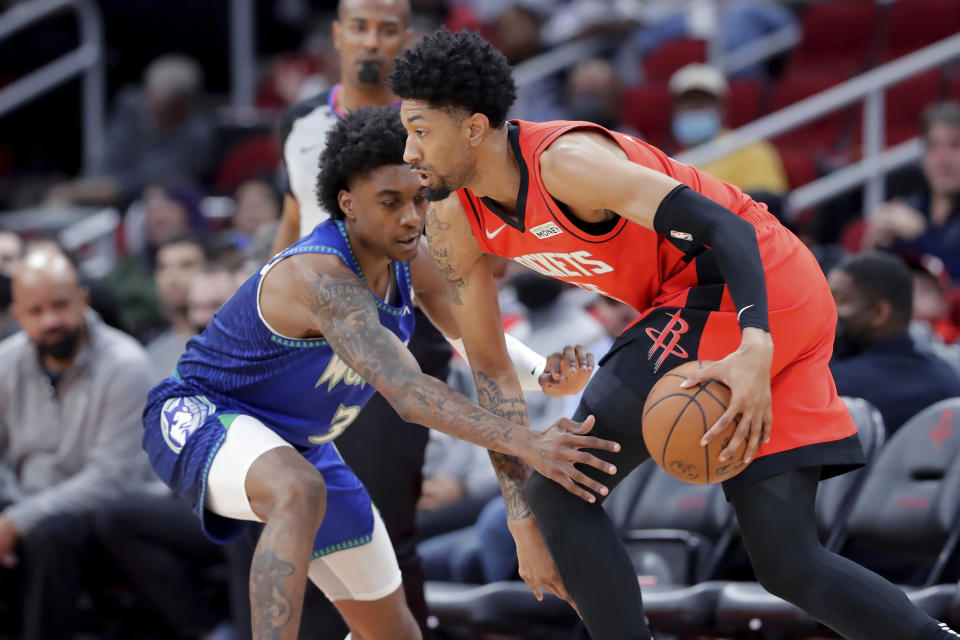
(317, 295)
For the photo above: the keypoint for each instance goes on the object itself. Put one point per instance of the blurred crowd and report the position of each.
(200, 188)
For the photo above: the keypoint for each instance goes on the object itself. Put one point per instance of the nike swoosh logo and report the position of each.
(491, 236)
(740, 313)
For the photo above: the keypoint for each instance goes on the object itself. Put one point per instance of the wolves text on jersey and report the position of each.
(337, 371)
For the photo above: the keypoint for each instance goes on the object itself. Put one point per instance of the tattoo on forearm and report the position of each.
(511, 471)
(272, 609)
(344, 311)
(442, 250)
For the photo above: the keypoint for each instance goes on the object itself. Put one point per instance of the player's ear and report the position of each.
(477, 127)
(882, 310)
(335, 32)
(345, 198)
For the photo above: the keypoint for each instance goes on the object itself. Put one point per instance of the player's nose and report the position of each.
(411, 155)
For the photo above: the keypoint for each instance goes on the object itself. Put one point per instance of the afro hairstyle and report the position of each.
(363, 140)
(460, 71)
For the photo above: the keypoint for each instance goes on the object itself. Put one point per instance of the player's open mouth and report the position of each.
(410, 242)
(424, 178)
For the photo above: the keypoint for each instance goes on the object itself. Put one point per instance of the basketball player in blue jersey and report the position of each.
(244, 426)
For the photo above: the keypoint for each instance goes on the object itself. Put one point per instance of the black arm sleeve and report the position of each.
(733, 242)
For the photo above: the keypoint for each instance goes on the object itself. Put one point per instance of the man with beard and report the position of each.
(71, 393)
(367, 34)
(874, 356)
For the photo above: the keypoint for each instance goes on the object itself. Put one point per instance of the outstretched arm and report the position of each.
(341, 308)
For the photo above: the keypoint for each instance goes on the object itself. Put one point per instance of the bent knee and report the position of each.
(283, 484)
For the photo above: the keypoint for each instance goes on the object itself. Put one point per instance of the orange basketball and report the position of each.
(675, 419)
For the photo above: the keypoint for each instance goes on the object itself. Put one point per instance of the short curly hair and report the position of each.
(361, 141)
(461, 71)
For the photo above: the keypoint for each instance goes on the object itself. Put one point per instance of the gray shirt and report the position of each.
(75, 447)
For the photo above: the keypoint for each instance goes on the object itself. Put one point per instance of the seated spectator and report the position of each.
(458, 480)
(168, 211)
(209, 290)
(153, 536)
(699, 96)
(71, 394)
(874, 355)
(11, 252)
(516, 30)
(155, 134)
(257, 203)
(928, 222)
(594, 94)
(931, 300)
(179, 260)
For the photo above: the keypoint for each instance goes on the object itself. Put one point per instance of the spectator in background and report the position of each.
(257, 203)
(71, 394)
(168, 211)
(594, 94)
(209, 290)
(552, 318)
(156, 133)
(928, 222)
(516, 30)
(874, 356)
(153, 536)
(457, 482)
(699, 95)
(11, 252)
(179, 260)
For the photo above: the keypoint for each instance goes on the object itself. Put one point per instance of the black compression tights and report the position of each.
(778, 527)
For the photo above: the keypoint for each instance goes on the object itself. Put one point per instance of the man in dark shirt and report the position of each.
(874, 356)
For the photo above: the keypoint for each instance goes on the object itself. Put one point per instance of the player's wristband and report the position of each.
(528, 363)
(686, 214)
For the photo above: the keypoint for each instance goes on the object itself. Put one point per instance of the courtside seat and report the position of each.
(909, 505)
(691, 609)
(509, 606)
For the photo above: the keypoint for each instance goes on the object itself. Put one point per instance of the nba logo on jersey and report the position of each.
(546, 230)
(181, 417)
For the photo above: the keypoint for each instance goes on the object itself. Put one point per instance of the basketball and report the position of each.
(674, 420)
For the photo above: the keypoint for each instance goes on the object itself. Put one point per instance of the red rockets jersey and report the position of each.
(620, 258)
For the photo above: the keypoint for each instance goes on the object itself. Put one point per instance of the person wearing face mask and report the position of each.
(874, 357)
(699, 94)
(71, 393)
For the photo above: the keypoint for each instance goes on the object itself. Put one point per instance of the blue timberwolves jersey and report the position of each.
(299, 388)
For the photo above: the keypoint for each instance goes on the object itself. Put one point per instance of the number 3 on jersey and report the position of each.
(341, 420)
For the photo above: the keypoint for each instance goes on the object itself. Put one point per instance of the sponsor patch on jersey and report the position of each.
(181, 417)
(681, 235)
(546, 230)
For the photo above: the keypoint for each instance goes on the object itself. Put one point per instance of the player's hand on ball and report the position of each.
(747, 372)
(536, 564)
(554, 453)
(567, 373)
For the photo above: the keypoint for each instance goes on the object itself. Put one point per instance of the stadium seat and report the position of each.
(660, 63)
(743, 103)
(257, 156)
(917, 23)
(823, 132)
(836, 36)
(904, 104)
(909, 503)
(647, 109)
(799, 165)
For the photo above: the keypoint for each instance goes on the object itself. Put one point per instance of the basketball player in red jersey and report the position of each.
(715, 276)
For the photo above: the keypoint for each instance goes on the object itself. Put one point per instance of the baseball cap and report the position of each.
(698, 77)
